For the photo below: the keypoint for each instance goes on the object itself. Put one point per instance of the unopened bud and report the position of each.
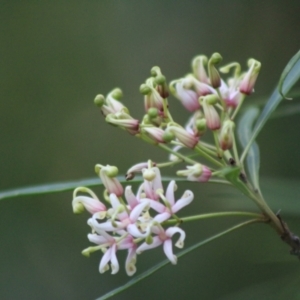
(214, 76)
(117, 93)
(152, 112)
(227, 135)
(145, 89)
(99, 100)
(198, 64)
(201, 126)
(249, 79)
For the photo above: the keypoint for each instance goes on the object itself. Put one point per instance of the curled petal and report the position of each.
(170, 192)
(162, 217)
(168, 249)
(173, 230)
(104, 261)
(186, 199)
(90, 204)
(130, 262)
(155, 243)
(97, 239)
(136, 212)
(114, 261)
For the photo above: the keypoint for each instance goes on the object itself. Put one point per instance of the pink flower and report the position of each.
(107, 175)
(197, 172)
(188, 97)
(121, 218)
(92, 204)
(171, 207)
(230, 93)
(105, 241)
(249, 79)
(164, 237)
(152, 182)
(186, 138)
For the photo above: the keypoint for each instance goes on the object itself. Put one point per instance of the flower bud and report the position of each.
(123, 120)
(99, 100)
(211, 115)
(201, 126)
(198, 64)
(227, 135)
(155, 133)
(107, 175)
(214, 76)
(249, 79)
(186, 138)
(197, 172)
(135, 169)
(188, 97)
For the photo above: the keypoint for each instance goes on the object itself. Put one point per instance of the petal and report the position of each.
(136, 232)
(155, 243)
(104, 261)
(168, 249)
(186, 199)
(114, 261)
(162, 217)
(170, 192)
(97, 239)
(157, 206)
(130, 262)
(130, 197)
(90, 204)
(172, 230)
(136, 212)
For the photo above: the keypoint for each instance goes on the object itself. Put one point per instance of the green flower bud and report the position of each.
(99, 100)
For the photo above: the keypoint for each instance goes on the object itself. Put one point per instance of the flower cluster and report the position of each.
(136, 223)
(213, 102)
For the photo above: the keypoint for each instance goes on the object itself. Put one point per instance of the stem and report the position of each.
(238, 108)
(184, 158)
(216, 215)
(208, 157)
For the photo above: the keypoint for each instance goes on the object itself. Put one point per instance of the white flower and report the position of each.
(164, 237)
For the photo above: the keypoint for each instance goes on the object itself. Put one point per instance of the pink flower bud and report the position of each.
(188, 139)
(211, 115)
(196, 172)
(107, 175)
(249, 79)
(198, 64)
(227, 135)
(155, 133)
(188, 97)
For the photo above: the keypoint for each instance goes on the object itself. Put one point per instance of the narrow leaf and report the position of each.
(66, 186)
(286, 71)
(166, 261)
(290, 80)
(244, 133)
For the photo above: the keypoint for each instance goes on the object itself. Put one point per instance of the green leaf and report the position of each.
(291, 64)
(233, 176)
(166, 261)
(244, 133)
(288, 82)
(66, 186)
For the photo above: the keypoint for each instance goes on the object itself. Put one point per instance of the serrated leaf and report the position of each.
(290, 79)
(244, 133)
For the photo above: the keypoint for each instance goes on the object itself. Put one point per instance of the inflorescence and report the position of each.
(138, 222)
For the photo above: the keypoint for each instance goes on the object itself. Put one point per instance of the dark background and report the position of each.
(54, 58)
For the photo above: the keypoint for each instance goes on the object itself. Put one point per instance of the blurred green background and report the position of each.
(55, 56)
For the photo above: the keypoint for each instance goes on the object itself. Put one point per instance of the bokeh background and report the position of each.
(55, 56)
